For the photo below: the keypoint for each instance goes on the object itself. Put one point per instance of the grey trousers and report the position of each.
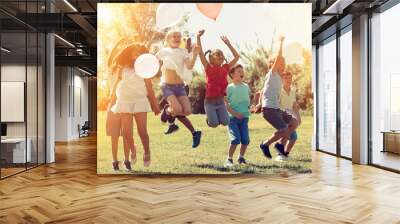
(216, 112)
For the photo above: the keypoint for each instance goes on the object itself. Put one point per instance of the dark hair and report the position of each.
(234, 68)
(124, 57)
(209, 57)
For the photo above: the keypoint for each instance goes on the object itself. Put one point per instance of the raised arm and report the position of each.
(201, 52)
(279, 56)
(236, 55)
(189, 62)
(151, 96)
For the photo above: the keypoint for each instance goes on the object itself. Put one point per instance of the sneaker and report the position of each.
(164, 115)
(281, 158)
(241, 161)
(228, 163)
(128, 165)
(115, 165)
(171, 129)
(280, 149)
(265, 150)
(196, 139)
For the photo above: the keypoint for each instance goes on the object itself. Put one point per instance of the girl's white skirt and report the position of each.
(138, 106)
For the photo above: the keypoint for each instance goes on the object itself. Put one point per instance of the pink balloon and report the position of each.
(211, 10)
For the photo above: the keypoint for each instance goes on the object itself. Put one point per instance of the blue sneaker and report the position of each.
(196, 139)
(265, 150)
(241, 161)
(280, 149)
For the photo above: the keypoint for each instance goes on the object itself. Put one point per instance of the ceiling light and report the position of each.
(64, 40)
(70, 5)
(338, 6)
(84, 71)
(5, 50)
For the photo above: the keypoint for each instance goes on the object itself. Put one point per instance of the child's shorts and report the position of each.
(239, 131)
(278, 118)
(293, 136)
(173, 90)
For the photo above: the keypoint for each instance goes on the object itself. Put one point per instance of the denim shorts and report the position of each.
(293, 136)
(239, 131)
(279, 119)
(173, 90)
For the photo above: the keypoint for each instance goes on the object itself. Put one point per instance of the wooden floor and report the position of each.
(70, 191)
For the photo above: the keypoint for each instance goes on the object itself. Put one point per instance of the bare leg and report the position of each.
(175, 107)
(232, 150)
(114, 147)
(185, 121)
(243, 150)
(290, 146)
(186, 110)
(141, 123)
(283, 135)
(127, 135)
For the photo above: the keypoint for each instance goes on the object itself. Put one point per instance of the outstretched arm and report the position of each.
(279, 56)
(201, 52)
(236, 55)
(190, 62)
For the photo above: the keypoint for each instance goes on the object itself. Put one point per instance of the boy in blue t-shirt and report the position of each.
(238, 102)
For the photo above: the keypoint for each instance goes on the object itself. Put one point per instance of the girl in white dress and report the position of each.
(134, 97)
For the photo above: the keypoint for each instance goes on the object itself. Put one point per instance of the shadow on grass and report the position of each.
(252, 168)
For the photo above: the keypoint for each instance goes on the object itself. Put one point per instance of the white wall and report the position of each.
(71, 87)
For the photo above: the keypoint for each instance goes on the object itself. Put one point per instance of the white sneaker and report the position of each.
(228, 163)
(280, 158)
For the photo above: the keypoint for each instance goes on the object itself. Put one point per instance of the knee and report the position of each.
(294, 123)
(212, 124)
(245, 141)
(187, 111)
(225, 122)
(176, 111)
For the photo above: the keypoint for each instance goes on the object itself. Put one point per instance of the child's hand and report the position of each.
(225, 40)
(281, 38)
(238, 115)
(156, 110)
(256, 108)
(200, 33)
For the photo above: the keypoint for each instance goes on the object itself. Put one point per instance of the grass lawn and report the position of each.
(173, 154)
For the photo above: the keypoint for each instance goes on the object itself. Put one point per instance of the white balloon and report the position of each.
(168, 14)
(146, 66)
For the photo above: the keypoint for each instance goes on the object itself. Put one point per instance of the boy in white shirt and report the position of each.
(289, 104)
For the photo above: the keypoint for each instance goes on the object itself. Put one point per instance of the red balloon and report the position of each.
(211, 10)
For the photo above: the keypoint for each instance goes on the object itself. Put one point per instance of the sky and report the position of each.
(244, 23)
